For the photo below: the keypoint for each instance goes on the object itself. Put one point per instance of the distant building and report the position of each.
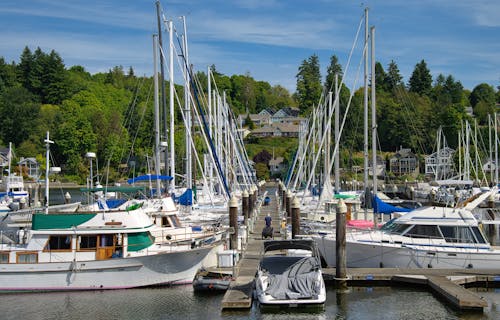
(440, 165)
(277, 130)
(403, 162)
(276, 165)
(31, 167)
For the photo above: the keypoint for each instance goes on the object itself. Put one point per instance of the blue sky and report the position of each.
(268, 38)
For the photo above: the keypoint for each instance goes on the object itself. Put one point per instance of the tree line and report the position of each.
(111, 113)
(408, 114)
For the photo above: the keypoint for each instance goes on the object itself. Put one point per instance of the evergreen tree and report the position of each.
(19, 111)
(54, 86)
(421, 79)
(308, 84)
(7, 74)
(393, 78)
(380, 76)
(25, 67)
(333, 69)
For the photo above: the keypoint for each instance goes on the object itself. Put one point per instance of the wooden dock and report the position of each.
(240, 292)
(448, 284)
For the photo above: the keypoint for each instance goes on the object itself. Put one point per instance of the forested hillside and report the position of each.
(111, 113)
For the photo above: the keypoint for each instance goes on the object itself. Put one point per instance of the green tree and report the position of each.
(482, 100)
(19, 110)
(380, 77)
(249, 123)
(7, 74)
(262, 171)
(393, 78)
(333, 69)
(308, 84)
(421, 79)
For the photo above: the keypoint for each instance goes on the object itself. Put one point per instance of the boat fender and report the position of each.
(429, 266)
(470, 266)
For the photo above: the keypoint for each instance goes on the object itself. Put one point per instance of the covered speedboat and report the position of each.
(289, 274)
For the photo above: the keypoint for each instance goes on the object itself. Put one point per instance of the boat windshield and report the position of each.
(394, 228)
(462, 234)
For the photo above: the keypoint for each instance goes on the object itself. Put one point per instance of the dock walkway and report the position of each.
(240, 291)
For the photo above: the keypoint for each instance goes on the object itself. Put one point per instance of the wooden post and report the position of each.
(340, 272)
(283, 199)
(244, 207)
(295, 217)
(289, 204)
(279, 193)
(233, 222)
(250, 204)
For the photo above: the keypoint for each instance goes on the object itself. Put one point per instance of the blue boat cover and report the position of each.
(380, 206)
(148, 177)
(186, 199)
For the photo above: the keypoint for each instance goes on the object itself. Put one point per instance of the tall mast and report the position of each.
(171, 101)
(374, 122)
(162, 83)
(187, 96)
(374, 115)
(47, 164)
(337, 134)
(365, 52)
(490, 148)
(156, 114)
(496, 149)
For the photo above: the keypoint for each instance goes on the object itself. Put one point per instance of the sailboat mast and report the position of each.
(374, 115)
(47, 163)
(162, 80)
(187, 95)
(365, 77)
(337, 134)
(156, 114)
(171, 102)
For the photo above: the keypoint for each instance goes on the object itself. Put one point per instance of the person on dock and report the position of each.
(268, 220)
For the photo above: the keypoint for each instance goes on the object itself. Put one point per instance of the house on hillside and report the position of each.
(4, 157)
(258, 120)
(440, 165)
(283, 113)
(277, 130)
(404, 162)
(276, 166)
(31, 167)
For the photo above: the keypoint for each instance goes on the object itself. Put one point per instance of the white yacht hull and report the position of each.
(375, 255)
(119, 273)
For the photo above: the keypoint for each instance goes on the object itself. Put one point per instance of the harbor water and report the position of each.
(182, 302)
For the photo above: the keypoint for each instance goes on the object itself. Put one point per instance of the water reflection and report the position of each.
(182, 303)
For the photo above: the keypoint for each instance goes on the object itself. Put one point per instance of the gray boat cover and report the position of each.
(297, 282)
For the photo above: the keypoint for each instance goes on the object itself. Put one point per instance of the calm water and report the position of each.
(182, 303)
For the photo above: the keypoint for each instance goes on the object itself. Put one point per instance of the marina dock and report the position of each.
(240, 292)
(447, 284)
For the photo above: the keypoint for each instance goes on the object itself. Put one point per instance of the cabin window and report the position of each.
(176, 222)
(457, 234)
(397, 228)
(4, 257)
(28, 257)
(478, 234)
(165, 222)
(58, 243)
(423, 231)
(87, 242)
(106, 240)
